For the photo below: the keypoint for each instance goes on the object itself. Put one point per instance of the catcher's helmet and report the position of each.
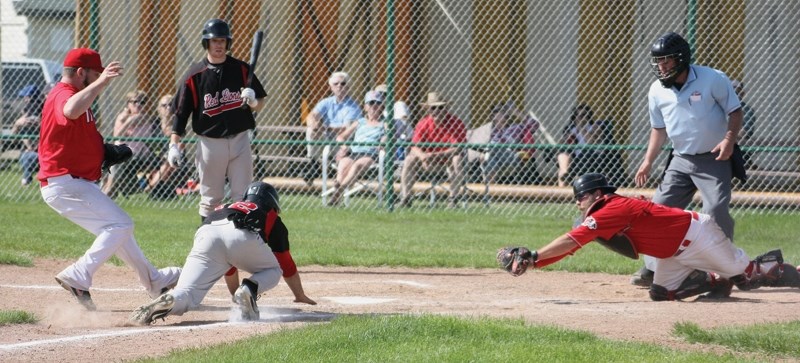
(590, 182)
(670, 45)
(262, 194)
(216, 28)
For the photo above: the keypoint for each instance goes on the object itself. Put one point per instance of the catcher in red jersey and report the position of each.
(216, 95)
(693, 254)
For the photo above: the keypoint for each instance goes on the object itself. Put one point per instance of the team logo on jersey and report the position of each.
(589, 222)
(215, 104)
(243, 206)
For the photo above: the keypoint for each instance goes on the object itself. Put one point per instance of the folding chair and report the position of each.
(374, 185)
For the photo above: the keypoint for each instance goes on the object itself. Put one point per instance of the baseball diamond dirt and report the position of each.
(606, 305)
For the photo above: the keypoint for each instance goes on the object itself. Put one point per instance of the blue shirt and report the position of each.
(337, 114)
(696, 117)
(367, 133)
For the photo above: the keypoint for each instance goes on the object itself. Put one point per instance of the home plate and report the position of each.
(357, 300)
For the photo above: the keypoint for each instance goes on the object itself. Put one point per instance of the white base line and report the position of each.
(118, 333)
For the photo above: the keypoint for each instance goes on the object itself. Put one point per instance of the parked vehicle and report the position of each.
(15, 74)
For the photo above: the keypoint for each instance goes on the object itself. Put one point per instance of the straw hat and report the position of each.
(434, 99)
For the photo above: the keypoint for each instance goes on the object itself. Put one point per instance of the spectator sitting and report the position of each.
(403, 130)
(135, 120)
(328, 119)
(438, 126)
(160, 182)
(356, 159)
(582, 130)
(505, 132)
(28, 124)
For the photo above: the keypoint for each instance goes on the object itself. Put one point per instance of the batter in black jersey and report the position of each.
(215, 94)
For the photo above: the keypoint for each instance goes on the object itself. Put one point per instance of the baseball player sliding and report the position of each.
(221, 103)
(693, 254)
(232, 236)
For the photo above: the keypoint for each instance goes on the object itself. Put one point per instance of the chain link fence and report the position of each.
(540, 67)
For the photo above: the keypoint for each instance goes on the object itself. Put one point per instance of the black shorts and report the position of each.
(356, 156)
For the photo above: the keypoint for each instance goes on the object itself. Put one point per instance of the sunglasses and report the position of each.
(437, 108)
(581, 197)
(342, 83)
(138, 102)
(373, 103)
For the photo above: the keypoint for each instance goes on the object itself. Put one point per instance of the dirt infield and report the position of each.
(602, 304)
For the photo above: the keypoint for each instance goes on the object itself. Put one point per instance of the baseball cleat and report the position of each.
(157, 309)
(83, 296)
(643, 277)
(170, 275)
(246, 299)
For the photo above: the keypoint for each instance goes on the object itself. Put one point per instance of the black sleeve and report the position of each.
(258, 87)
(186, 99)
(278, 239)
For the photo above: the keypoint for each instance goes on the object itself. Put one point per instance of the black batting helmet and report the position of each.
(262, 194)
(590, 182)
(216, 28)
(670, 45)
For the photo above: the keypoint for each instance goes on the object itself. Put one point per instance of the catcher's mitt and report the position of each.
(516, 260)
(115, 154)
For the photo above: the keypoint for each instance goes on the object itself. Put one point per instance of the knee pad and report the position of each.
(766, 270)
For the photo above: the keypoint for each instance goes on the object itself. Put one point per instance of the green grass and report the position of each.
(345, 237)
(435, 339)
(782, 338)
(8, 317)
(438, 238)
(15, 259)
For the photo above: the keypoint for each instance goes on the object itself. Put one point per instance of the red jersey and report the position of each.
(451, 130)
(654, 229)
(68, 146)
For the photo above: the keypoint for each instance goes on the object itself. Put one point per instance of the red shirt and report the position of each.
(68, 146)
(451, 130)
(654, 229)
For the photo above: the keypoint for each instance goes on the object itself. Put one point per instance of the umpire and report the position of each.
(216, 93)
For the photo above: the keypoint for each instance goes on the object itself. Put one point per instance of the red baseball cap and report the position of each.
(83, 58)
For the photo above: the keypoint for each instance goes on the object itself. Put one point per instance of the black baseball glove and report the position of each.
(115, 154)
(516, 260)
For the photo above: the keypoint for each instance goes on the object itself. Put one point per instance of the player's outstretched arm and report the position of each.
(297, 289)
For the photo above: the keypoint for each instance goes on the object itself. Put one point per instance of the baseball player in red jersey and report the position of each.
(70, 156)
(236, 234)
(693, 255)
(221, 103)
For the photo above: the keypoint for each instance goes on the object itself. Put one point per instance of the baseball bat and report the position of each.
(258, 37)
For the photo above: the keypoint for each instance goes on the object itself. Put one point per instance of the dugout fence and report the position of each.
(543, 57)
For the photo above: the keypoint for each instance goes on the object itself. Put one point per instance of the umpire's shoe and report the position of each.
(245, 297)
(157, 309)
(643, 277)
(83, 296)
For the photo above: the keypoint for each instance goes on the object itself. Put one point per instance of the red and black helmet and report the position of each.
(262, 194)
